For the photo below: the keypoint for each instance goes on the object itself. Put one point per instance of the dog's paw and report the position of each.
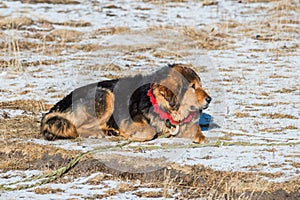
(141, 136)
(49, 136)
(200, 139)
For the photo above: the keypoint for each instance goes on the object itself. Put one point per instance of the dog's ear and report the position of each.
(169, 96)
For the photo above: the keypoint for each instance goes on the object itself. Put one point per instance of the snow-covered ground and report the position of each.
(247, 55)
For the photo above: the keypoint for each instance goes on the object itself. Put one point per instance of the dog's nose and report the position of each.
(208, 99)
(172, 103)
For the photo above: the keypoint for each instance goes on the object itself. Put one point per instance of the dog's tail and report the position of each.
(56, 125)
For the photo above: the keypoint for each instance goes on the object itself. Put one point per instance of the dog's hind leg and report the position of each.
(92, 117)
(84, 112)
(56, 125)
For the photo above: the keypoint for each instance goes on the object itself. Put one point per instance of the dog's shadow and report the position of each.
(206, 122)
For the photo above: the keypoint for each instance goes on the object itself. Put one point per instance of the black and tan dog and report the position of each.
(167, 102)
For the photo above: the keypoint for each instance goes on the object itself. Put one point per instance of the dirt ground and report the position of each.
(246, 52)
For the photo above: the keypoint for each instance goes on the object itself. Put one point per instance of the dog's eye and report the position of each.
(193, 86)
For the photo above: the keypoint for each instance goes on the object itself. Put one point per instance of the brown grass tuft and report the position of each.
(111, 30)
(15, 22)
(291, 127)
(285, 90)
(271, 130)
(51, 1)
(278, 116)
(241, 115)
(26, 105)
(208, 39)
(65, 35)
(47, 190)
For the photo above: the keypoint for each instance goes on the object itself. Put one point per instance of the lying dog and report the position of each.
(167, 102)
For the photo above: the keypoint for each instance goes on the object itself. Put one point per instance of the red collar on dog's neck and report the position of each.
(164, 115)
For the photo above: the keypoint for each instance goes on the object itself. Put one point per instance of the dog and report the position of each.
(139, 108)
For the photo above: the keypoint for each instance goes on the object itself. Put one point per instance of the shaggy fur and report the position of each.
(123, 107)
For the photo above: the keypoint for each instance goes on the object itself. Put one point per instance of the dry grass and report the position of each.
(189, 182)
(64, 35)
(96, 180)
(40, 38)
(71, 23)
(125, 187)
(13, 49)
(241, 115)
(164, 1)
(278, 76)
(278, 116)
(227, 186)
(271, 130)
(209, 3)
(2, 5)
(15, 23)
(296, 164)
(111, 30)
(285, 90)
(23, 156)
(291, 127)
(46, 190)
(263, 104)
(51, 1)
(26, 105)
(260, 1)
(211, 39)
(186, 181)
(150, 194)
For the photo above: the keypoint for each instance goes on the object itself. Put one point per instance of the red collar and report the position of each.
(164, 115)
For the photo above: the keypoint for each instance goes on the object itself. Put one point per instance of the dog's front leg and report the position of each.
(193, 131)
(137, 131)
(199, 136)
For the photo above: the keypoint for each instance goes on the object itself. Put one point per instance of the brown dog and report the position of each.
(167, 102)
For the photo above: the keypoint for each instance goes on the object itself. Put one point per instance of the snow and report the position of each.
(240, 80)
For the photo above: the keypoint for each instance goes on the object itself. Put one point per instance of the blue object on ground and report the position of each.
(204, 121)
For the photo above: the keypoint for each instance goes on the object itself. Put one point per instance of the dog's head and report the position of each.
(180, 93)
